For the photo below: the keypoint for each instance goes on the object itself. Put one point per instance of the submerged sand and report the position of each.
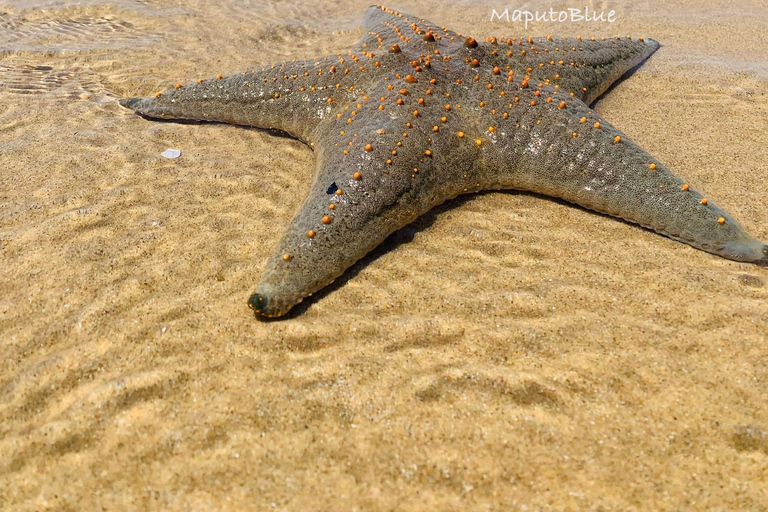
(505, 352)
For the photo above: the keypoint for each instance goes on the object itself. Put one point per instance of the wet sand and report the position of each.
(504, 352)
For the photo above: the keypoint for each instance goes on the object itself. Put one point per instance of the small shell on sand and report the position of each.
(171, 153)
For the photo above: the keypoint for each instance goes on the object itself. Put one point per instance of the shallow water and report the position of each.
(505, 351)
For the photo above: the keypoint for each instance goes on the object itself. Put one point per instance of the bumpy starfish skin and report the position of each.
(416, 114)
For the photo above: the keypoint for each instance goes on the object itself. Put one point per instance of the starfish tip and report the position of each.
(129, 102)
(267, 305)
(259, 304)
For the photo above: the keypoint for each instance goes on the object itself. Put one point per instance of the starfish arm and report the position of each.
(373, 177)
(293, 97)
(567, 151)
(584, 67)
(385, 28)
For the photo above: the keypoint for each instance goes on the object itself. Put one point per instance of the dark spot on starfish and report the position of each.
(332, 188)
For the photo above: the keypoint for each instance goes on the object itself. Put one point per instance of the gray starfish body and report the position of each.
(416, 114)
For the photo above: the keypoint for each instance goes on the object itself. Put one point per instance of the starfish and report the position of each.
(415, 114)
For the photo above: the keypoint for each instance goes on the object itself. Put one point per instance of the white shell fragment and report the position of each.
(171, 153)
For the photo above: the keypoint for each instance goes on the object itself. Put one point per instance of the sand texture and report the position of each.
(504, 352)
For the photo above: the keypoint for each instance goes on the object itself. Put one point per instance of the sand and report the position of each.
(505, 352)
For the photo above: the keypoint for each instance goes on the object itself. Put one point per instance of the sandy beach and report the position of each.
(505, 352)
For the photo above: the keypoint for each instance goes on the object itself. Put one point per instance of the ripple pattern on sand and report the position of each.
(57, 33)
